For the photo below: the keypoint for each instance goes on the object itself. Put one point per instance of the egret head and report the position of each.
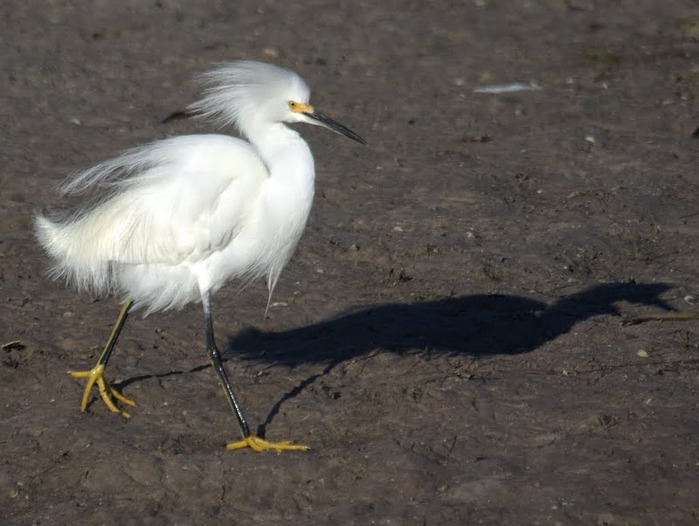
(304, 112)
(252, 94)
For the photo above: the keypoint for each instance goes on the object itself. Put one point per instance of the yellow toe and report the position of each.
(259, 445)
(107, 392)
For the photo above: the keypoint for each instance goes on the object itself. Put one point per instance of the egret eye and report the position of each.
(292, 105)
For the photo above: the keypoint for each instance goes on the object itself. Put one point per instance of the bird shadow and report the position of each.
(474, 325)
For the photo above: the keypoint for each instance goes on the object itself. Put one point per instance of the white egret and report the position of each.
(174, 220)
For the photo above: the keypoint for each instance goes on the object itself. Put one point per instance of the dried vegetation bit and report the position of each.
(12, 349)
(395, 277)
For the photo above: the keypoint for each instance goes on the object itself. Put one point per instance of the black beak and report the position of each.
(325, 121)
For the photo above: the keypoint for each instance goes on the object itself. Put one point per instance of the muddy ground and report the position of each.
(449, 336)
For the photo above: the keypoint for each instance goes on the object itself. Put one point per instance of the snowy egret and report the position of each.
(173, 221)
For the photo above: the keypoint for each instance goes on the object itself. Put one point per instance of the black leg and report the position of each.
(111, 343)
(217, 363)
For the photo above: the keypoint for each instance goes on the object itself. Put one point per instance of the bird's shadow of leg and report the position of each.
(293, 393)
(119, 386)
(273, 412)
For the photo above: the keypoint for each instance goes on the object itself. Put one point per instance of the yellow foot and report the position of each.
(107, 392)
(259, 444)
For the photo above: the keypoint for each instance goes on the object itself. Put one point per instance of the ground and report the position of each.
(451, 337)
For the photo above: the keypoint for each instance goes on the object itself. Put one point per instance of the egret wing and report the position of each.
(177, 200)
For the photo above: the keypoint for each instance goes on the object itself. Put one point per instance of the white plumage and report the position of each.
(184, 215)
(180, 217)
(171, 222)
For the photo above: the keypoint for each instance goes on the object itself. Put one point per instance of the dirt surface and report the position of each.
(448, 337)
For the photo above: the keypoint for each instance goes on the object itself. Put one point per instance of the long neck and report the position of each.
(286, 155)
(286, 198)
